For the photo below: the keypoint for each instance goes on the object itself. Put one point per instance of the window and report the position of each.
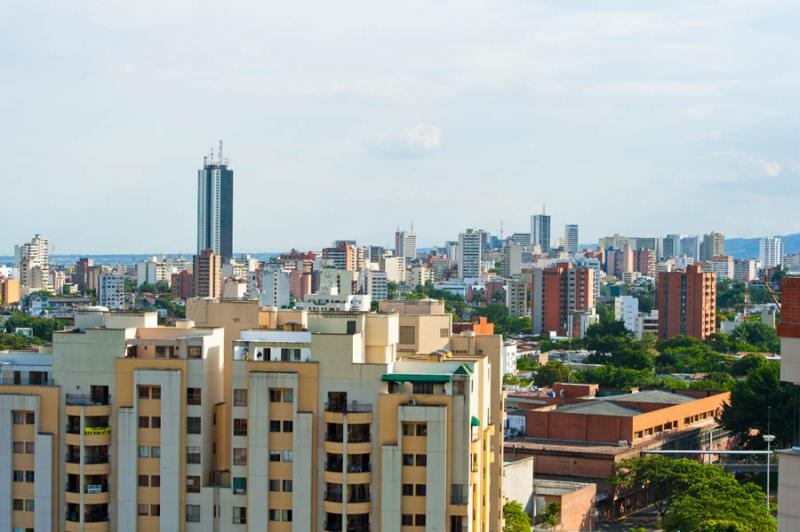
(29, 476)
(274, 515)
(192, 513)
(144, 481)
(239, 485)
(155, 451)
(193, 396)
(274, 396)
(19, 447)
(408, 429)
(29, 447)
(18, 418)
(144, 451)
(155, 509)
(408, 334)
(286, 515)
(287, 396)
(240, 456)
(193, 455)
(422, 387)
(194, 351)
(193, 425)
(408, 459)
(18, 505)
(19, 476)
(274, 485)
(351, 327)
(30, 418)
(419, 520)
(288, 426)
(274, 426)
(144, 392)
(407, 520)
(287, 485)
(420, 490)
(444, 332)
(239, 515)
(29, 505)
(240, 397)
(155, 422)
(288, 456)
(274, 456)
(422, 429)
(155, 481)
(240, 427)
(408, 489)
(422, 460)
(144, 422)
(143, 509)
(192, 484)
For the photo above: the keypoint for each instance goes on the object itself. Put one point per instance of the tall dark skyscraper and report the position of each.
(215, 205)
(540, 231)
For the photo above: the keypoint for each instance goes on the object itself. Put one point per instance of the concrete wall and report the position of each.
(518, 482)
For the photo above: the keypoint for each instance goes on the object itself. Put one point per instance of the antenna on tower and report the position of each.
(412, 227)
(501, 229)
(544, 210)
(220, 151)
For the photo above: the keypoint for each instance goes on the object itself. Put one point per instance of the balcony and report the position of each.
(352, 407)
(30, 379)
(78, 399)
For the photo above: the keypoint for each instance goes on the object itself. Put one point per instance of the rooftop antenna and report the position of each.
(412, 227)
(544, 211)
(220, 151)
(501, 229)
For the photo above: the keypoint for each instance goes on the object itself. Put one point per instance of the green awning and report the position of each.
(463, 369)
(475, 422)
(409, 377)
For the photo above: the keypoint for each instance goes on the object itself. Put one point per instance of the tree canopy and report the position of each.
(551, 373)
(516, 520)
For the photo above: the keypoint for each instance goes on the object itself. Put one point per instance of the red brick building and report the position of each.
(183, 284)
(687, 303)
(558, 290)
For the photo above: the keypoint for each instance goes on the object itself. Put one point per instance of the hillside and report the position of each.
(745, 248)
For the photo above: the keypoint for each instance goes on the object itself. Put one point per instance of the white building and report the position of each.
(395, 268)
(33, 263)
(469, 254)
(647, 323)
(792, 262)
(744, 270)
(626, 310)
(111, 291)
(510, 356)
(770, 252)
(405, 244)
(275, 286)
(377, 285)
(336, 302)
(512, 259)
(571, 238)
(723, 266)
(57, 280)
(419, 275)
(151, 271)
(234, 288)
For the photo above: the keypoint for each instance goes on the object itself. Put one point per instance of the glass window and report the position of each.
(193, 396)
(239, 515)
(288, 426)
(422, 460)
(288, 396)
(143, 509)
(408, 459)
(274, 425)
(420, 490)
(155, 509)
(193, 484)
(274, 515)
(419, 520)
(288, 456)
(193, 425)
(193, 455)
(274, 456)
(155, 481)
(29, 447)
(286, 515)
(274, 485)
(192, 513)
(240, 456)
(240, 397)
(287, 485)
(408, 429)
(239, 485)
(155, 451)
(144, 451)
(274, 396)
(18, 505)
(30, 418)
(408, 489)
(155, 422)
(19, 447)
(422, 429)
(144, 422)
(240, 427)
(19, 476)
(144, 392)
(407, 520)
(144, 481)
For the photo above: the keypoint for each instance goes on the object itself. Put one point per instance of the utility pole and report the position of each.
(768, 438)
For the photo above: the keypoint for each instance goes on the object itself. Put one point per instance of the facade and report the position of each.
(395, 268)
(469, 254)
(744, 270)
(644, 262)
(690, 247)
(81, 274)
(540, 232)
(377, 285)
(722, 266)
(770, 252)
(419, 275)
(405, 244)
(687, 303)
(789, 462)
(518, 297)
(563, 299)
(151, 271)
(206, 274)
(33, 263)
(215, 206)
(626, 310)
(571, 238)
(182, 284)
(111, 291)
(9, 291)
(512, 259)
(713, 245)
(343, 254)
(275, 286)
(671, 246)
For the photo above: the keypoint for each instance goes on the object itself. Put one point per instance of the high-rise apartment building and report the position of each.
(376, 285)
(33, 262)
(275, 286)
(540, 231)
(561, 295)
(182, 284)
(111, 291)
(671, 246)
(469, 254)
(512, 259)
(744, 270)
(215, 206)
(626, 310)
(770, 252)
(518, 297)
(713, 245)
(405, 243)
(571, 238)
(206, 274)
(690, 247)
(687, 303)
(644, 262)
(343, 253)
(722, 265)
(789, 463)
(81, 274)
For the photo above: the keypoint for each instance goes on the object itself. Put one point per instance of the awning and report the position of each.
(475, 422)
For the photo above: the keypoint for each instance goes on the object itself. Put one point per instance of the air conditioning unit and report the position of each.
(412, 402)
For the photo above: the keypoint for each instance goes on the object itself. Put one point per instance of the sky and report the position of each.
(344, 120)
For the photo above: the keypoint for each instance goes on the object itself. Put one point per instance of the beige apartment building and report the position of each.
(242, 418)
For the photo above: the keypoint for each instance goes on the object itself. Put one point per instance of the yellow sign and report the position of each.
(97, 430)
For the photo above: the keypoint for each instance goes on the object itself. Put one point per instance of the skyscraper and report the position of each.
(469, 255)
(687, 303)
(540, 231)
(215, 206)
(405, 243)
(770, 252)
(713, 245)
(571, 238)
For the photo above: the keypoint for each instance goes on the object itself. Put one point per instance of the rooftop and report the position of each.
(650, 396)
(599, 408)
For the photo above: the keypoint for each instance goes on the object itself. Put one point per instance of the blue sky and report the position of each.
(346, 119)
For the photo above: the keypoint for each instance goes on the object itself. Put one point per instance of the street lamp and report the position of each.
(769, 439)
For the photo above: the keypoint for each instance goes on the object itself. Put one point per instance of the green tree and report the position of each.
(719, 504)
(550, 516)
(757, 334)
(761, 392)
(551, 373)
(617, 377)
(516, 520)
(14, 342)
(43, 328)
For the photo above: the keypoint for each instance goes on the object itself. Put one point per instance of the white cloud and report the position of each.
(769, 168)
(402, 143)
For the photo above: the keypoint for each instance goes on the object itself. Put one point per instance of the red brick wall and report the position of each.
(790, 308)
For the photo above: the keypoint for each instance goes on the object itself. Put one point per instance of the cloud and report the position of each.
(405, 143)
(769, 168)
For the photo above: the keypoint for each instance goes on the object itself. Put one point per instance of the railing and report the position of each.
(96, 431)
(79, 399)
(335, 467)
(333, 497)
(89, 459)
(358, 437)
(357, 528)
(73, 517)
(359, 468)
(7, 379)
(358, 499)
(352, 407)
(334, 437)
(330, 527)
(95, 517)
(70, 459)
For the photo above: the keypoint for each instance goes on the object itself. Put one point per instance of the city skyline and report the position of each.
(566, 95)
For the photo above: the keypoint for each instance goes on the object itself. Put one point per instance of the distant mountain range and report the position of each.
(747, 248)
